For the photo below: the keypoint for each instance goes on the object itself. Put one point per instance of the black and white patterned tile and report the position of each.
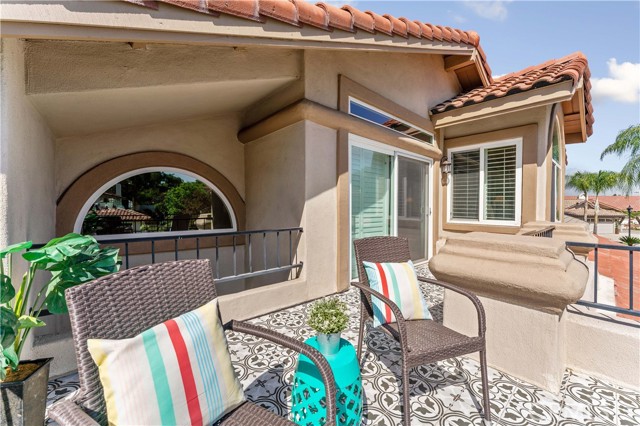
(446, 393)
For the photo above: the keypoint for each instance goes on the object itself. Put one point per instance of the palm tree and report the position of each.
(602, 181)
(583, 182)
(627, 141)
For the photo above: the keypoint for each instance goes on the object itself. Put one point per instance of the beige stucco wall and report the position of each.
(417, 82)
(210, 140)
(27, 195)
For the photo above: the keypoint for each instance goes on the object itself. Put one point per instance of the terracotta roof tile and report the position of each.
(241, 8)
(125, 214)
(338, 18)
(381, 23)
(576, 209)
(328, 18)
(412, 27)
(571, 67)
(360, 19)
(284, 11)
(619, 202)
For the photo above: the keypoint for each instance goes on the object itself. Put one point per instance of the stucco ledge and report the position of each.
(538, 273)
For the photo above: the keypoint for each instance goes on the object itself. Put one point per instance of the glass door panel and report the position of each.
(371, 196)
(412, 204)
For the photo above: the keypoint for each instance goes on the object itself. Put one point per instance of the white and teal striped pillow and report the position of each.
(178, 372)
(399, 283)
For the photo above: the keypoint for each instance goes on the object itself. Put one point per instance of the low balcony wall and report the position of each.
(525, 284)
(576, 232)
(533, 272)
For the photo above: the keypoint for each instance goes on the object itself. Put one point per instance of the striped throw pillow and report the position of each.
(399, 283)
(176, 373)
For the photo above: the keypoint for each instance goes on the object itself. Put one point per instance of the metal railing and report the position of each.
(545, 232)
(252, 241)
(631, 310)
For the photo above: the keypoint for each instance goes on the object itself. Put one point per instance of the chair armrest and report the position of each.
(68, 412)
(318, 359)
(482, 326)
(402, 331)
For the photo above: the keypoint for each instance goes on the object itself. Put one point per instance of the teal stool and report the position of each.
(308, 394)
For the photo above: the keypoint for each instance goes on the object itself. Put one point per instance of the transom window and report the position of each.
(367, 112)
(158, 202)
(486, 183)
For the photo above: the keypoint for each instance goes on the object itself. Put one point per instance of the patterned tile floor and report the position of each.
(446, 393)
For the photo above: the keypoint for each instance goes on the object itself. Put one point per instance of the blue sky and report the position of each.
(517, 34)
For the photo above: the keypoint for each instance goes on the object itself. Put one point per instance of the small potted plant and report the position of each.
(328, 318)
(73, 259)
(616, 227)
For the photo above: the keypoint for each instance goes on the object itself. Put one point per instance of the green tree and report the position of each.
(602, 181)
(149, 189)
(627, 142)
(583, 182)
(188, 198)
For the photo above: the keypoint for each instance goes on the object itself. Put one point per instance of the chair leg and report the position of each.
(406, 395)
(360, 334)
(485, 386)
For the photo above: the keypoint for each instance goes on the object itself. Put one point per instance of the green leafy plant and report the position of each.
(73, 259)
(328, 316)
(629, 240)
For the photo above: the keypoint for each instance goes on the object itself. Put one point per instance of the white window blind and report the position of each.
(465, 185)
(500, 183)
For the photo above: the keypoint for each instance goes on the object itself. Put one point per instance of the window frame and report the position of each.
(380, 111)
(77, 227)
(482, 147)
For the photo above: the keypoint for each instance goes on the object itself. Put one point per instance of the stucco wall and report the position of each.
(210, 140)
(417, 82)
(27, 195)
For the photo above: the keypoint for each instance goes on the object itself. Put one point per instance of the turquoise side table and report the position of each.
(308, 394)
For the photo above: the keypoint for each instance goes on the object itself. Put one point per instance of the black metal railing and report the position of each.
(544, 232)
(268, 243)
(631, 309)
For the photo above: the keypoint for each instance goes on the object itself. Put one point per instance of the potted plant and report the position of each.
(629, 240)
(616, 226)
(328, 318)
(71, 260)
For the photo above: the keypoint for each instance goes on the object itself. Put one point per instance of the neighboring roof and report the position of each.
(329, 18)
(605, 210)
(619, 202)
(124, 214)
(571, 67)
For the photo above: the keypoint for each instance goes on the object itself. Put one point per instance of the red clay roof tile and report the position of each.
(281, 10)
(412, 27)
(312, 15)
(381, 23)
(571, 67)
(361, 20)
(397, 26)
(338, 18)
(241, 8)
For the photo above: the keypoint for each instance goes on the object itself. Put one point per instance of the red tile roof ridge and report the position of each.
(328, 17)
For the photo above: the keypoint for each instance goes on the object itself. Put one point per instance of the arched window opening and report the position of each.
(156, 202)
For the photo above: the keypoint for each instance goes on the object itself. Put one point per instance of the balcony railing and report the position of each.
(264, 251)
(632, 309)
(545, 232)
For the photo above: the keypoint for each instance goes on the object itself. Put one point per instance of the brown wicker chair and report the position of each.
(124, 304)
(421, 341)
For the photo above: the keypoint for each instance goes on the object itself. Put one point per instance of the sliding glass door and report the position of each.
(412, 213)
(389, 196)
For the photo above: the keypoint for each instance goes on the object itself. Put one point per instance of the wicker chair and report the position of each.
(124, 304)
(421, 341)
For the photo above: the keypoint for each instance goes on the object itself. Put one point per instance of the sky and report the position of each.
(517, 34)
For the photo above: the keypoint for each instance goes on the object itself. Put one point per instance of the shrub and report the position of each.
(630, 241)
(328, 316)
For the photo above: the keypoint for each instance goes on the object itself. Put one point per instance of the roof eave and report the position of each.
(534, 98)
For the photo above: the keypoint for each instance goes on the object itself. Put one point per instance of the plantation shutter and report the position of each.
(500, 183)
(370, 195)
(465, 186)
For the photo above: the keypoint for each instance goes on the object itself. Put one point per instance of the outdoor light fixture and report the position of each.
(445, 169)
(629, 210)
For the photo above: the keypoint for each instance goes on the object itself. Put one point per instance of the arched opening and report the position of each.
(156, 201)
(556, 190)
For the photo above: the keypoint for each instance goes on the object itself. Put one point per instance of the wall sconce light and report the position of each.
(445, 169)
